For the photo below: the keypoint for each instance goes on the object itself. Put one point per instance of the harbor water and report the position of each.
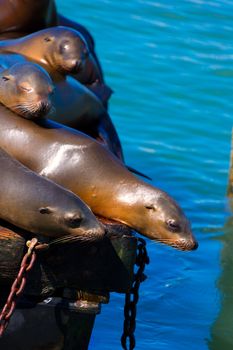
(170, 66)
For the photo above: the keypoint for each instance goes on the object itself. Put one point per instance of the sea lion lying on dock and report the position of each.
(88, 169)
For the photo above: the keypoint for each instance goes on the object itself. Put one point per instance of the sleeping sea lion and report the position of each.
(62, 49)
(38, 205)
(88, 169)
(26, 88)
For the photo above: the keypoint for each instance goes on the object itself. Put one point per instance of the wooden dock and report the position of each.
(65, 288)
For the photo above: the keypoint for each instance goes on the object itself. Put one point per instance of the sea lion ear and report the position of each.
(45, 210)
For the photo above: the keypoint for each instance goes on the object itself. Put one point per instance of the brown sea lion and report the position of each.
(26, 88)
(38, 205)
(88, 169)
(59, 49)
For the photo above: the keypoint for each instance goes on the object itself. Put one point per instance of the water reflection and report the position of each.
(222, 334)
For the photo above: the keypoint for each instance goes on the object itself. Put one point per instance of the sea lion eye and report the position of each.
(45, 210)
(173, 225)
(150, 207)
(4, 78)
(47, 39)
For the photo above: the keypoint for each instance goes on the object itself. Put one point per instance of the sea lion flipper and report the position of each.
(138, 173)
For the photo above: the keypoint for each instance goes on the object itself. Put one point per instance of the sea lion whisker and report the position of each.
(21, 106)
(23, 103)
(27, 109)
(22, 111)
(71, 239)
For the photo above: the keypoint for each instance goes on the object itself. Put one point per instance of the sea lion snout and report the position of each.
(43, 108)
(97, 232)
(86, 226)
(73, 221)
(186, 244)
(74, 65)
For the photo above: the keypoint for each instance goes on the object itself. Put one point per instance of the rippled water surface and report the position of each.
(170, 65)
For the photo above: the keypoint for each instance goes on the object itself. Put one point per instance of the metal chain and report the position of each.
(131, 298)
(18, 284)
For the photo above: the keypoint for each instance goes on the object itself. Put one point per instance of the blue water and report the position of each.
(170, 65)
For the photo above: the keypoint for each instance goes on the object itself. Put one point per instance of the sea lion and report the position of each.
(88, 169)
(60, 49)
(26, 88)
(38, 205)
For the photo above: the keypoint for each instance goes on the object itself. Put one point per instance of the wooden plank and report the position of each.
(103, 266)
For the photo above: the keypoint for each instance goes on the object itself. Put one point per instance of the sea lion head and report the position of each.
(157, 216)
(69, 216)
(26, 89)
(65, 49)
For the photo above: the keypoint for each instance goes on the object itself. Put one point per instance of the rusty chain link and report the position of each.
(131, 298)
(18, 284)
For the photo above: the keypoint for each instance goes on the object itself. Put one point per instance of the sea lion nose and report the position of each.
(74, 221)
(187, 244)
(195, 245)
